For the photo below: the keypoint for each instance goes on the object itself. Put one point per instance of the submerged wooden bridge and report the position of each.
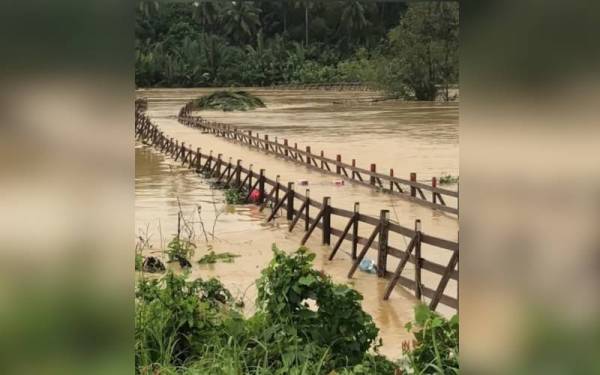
(438, 198)
(298, 207)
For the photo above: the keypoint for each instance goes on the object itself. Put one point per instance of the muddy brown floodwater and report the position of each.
(409, 137)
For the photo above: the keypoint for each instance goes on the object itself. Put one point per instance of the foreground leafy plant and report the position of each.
(287, 287)
(435, 349)
(193, 327)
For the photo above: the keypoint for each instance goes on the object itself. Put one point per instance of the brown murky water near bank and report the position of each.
(405, 136)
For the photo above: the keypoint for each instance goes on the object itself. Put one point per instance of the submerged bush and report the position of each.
(234, 196)
(228, 101)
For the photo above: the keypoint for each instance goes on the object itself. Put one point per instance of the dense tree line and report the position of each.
(409, 49)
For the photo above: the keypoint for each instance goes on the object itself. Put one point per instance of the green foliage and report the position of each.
(139, 261)
(183, 44)
(192, 327)
(423, 51)
(435, 350)
(284, 291)
(180, 249)
(234, 196)
(213, 257)
(228, 101)
(448, 179)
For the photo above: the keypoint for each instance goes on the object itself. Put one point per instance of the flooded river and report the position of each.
(409, 137)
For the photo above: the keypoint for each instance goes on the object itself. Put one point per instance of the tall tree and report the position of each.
(425, 50)
(241, 20)
(307, 4)
(353, 17)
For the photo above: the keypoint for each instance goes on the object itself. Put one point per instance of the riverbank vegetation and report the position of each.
(303, 324)
(411, 51)
(228, 101)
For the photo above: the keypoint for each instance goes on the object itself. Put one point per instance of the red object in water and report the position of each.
(254, 196)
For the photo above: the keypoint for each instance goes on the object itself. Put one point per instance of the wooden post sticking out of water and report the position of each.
(238, 173)
(308, 155)
(355, 229)
(277, 189)
(326, 221)
(373, 170)
(382, 253)
(250, 173)
(418, 259)
(290, 201)
(261, 187)
(413, 190)
(338, 168)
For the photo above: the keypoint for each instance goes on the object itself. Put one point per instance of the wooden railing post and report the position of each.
(238, 173)
(418, 259)
(198, 159)
(322, 156)
(285, 151)
(277, 185)
(373, 170)
(382, 253)
(413, 190)
(308, 154)
(326, 221)
(290, 201)
(433, 194)
(261, 187)
(307, 211)
(219, 162)
(250, 174)
(355, 229)
(392, 177)
(353, 167)
(267, 142)
(338, 168)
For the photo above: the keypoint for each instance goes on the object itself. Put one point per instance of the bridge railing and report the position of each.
(445, 200)
(301, 208)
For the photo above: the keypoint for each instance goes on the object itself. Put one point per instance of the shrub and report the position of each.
(228, 101)
(435, 349)
(179, 249)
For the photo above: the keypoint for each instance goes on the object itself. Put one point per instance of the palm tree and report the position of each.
(353, 17)
(242, 19)
(307, 4)
(205, 12)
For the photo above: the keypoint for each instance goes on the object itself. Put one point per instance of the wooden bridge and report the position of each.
(298, 207)
(410, 188)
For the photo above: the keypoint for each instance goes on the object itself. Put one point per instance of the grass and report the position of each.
(228, 101)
